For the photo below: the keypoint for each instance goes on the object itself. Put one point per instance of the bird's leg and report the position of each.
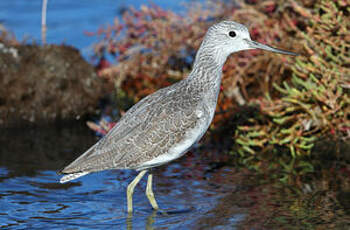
(150, 194)
(131, 187)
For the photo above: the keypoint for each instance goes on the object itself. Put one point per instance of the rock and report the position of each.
(46, 83)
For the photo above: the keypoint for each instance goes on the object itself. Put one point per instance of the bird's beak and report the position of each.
(257, 45)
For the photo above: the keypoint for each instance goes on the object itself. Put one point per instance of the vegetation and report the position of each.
(7, 37)
(314, 102)
(299, 101)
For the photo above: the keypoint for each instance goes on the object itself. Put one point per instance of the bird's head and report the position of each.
(227, 37)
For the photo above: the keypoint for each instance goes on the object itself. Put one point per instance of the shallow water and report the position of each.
(31, 197)
(198, 191)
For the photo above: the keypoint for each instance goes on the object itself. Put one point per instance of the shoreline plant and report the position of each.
(299, 101)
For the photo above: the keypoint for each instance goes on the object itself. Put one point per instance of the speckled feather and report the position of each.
(149, 129)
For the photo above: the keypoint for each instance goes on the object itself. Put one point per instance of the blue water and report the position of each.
(67, 20)
(99, 201)
(32, 198)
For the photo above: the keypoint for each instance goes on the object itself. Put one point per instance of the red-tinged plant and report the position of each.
(7, 37)
(154, 48)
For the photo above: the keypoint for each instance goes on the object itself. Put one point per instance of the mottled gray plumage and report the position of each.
(164, 125)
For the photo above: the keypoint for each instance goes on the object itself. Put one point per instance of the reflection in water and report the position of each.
(27, 150)
(149, 221)
(129, 222)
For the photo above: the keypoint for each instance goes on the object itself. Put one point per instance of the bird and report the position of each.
(164, 125)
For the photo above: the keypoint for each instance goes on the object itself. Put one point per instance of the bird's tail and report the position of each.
(72, 176)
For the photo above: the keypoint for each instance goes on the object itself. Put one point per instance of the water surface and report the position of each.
(67, 20)
(31, 197)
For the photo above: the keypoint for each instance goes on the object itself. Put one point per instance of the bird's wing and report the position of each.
(126, 142)
(126, 125)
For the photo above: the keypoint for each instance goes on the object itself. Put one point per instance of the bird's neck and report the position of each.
(207, 67)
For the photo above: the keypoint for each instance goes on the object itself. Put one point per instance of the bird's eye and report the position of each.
(232, 34)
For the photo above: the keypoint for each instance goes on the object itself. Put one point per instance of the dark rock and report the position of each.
(45, 83)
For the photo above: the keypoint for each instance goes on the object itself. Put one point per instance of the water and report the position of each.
(99, 201)
(67, 20)
(32, 198)
(198, 191)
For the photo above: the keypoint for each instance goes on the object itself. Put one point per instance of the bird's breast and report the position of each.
(179, 148)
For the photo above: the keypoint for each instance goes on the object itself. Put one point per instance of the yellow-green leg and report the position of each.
(150, 194)
(131, 187)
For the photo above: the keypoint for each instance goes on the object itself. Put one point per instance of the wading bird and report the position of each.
(164, 125)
